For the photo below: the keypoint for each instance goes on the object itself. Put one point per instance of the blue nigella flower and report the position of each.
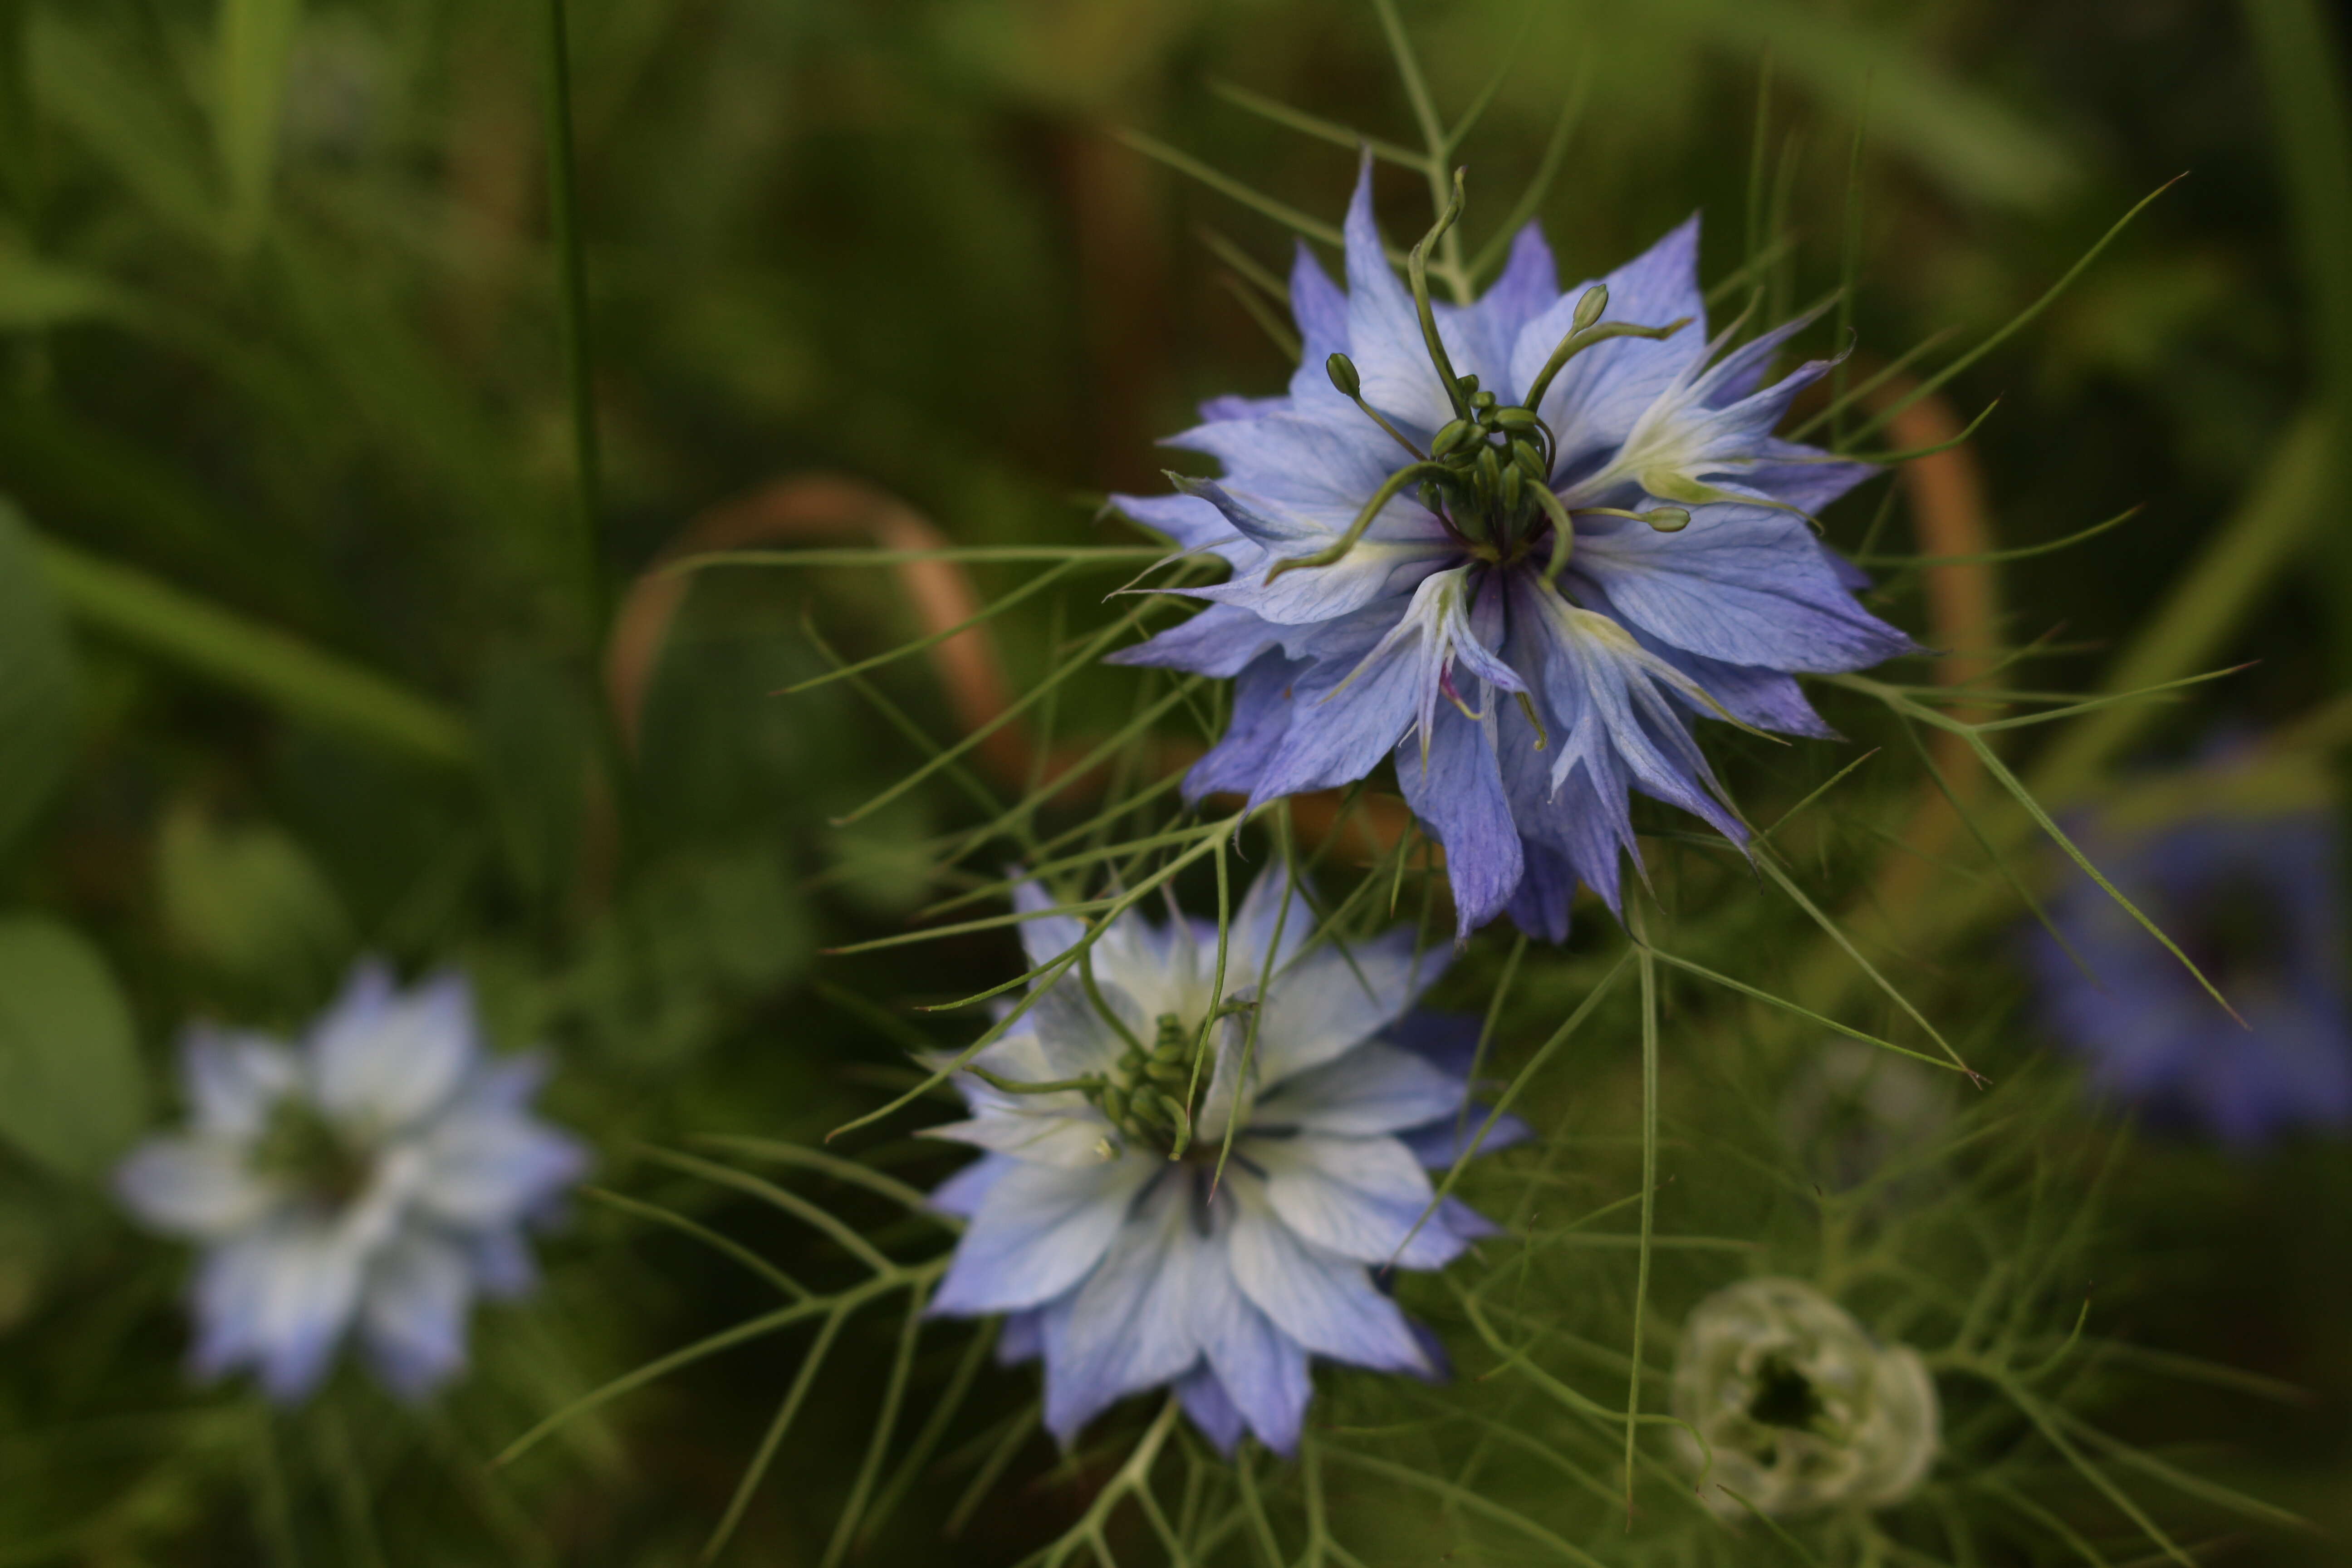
(1518, 544)
(2251, 900)
(375, 1177)
(1097, 1224)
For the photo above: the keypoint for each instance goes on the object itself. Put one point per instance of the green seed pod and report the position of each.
(1342, 372)
(1452, 436)
(1588, 308)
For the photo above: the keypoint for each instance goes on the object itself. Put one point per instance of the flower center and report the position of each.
(1149, 1095)
(1486, 475)
(304, 1149)
(1784, 1398)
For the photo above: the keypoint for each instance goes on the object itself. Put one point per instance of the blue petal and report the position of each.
(1456, 790)
(961, 1194)
(1383, 329)
(1799, 475)
(1440, 1145)
(1539, 904)
(198, 1188)
(1487, 332)
(1263, 1371)
(1044, 937)
(1022, 1337)
(1337, 736)
(1375, 1088)
(234, 1077)
(1592, 403)
(1262, 712)
(1131, 1326)
(491, 1166)
(413, 1314)
(1220, 640)
(1327, 1304)
(1189, 521)
(1331, 1001)
(278, 1298)
(1211, 1409)
(382, 1060)
(1356, 1198)
(1040, 1230)
(1744, 584)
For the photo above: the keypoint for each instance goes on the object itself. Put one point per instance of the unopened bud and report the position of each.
(1342, 372)
(1667, 518)
(1515, 480)
(1514, 419)
(1524, 456)
(1452, 436)
(1588, 308)
(1490, 469)
(1482, 401)
(1469, 386)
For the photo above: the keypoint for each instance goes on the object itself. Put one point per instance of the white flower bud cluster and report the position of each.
(1803, 1409)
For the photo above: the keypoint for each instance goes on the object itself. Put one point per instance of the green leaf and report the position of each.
(255, 38)
(38, 698)
(246, 904)
(72, 1093)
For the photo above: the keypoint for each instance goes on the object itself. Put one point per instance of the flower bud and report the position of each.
(1802, 1408)
(1595, 299)
(1525, 457)
(1667, 518)
(1514, 419)
(1342, 372)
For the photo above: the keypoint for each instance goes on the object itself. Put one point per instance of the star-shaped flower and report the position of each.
(1518, 545)
(1099, 1226)
(375, 1177)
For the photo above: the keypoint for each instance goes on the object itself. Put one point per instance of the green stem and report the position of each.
(572, 286)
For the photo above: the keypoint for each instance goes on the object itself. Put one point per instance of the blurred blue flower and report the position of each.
(376, 1176)
(2251, 900)
(1560, 561)
(1097, 1225)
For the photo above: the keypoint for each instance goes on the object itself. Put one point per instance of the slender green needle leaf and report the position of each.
(1990, 557)
(704, 1234)
(1315, 125)
(2018, 322)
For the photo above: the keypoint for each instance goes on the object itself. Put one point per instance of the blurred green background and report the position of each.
(303, 635)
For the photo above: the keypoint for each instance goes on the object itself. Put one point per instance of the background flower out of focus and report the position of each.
(306, 654)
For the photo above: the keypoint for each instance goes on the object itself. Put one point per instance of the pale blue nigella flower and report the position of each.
(2251, 900)
(1098, 1225)
(375, 1177)
(1522, 575)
